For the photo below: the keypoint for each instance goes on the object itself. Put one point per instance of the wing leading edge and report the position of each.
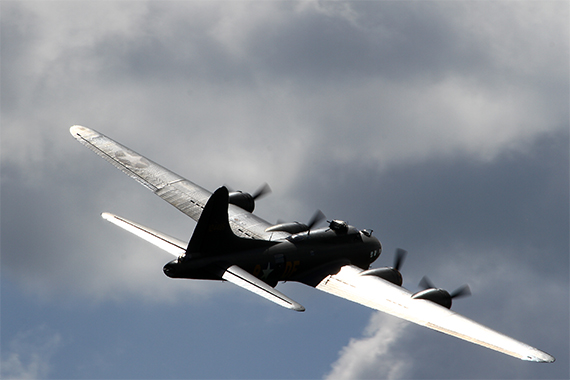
(181, 193)
(168, 243)
(176, 190)
(381, 295)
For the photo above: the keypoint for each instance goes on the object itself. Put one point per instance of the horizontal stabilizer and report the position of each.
(240, 277)
(168, 243)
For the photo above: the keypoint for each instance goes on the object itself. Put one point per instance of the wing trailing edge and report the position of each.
(240, 277)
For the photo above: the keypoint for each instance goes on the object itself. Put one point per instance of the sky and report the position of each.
(442, 126)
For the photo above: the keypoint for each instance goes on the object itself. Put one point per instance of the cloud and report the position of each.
(441, 125)
(30, 353)
(259, 92)
(472, 89)
(375, 355)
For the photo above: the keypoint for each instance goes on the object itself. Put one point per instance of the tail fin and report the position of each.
(213, 234)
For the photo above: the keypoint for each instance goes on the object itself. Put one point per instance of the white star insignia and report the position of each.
(267, 272)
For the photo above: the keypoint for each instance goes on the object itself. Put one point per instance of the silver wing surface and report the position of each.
(165, 242)
(240, 277)
(185, 195)
(379, 294)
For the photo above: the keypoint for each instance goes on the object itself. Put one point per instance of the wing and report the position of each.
(240, 277)
(168, 243)
(233, 274)
(185, 195)
(382, 295)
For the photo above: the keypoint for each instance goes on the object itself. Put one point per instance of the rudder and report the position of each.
(213, 234)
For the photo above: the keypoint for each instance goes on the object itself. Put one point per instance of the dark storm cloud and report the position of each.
(443, 126)
(391, 40)
(518, 200)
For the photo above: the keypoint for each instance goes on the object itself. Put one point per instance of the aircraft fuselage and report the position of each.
(305, 257)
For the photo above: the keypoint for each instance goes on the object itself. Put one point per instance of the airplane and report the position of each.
(230, 243)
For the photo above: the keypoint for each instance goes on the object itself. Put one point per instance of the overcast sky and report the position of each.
(442, 126)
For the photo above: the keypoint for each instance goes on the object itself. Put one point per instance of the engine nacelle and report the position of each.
(389, 274)
(439, 296)
(291, 227)
(242, 200)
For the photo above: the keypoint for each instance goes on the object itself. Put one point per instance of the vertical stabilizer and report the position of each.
(213, 234)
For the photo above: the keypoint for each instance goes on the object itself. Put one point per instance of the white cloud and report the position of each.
(373, 356)
(29, 355)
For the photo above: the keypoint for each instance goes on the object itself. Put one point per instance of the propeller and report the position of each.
(296, 227)
(262, 191)
(318, 216)
(426, 283)
(246, 200)
(399, 258)
(439, 296)
(462, 291)
(390, 274)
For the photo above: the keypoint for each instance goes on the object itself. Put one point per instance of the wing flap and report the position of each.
(168, 243)
(381, 295)
(240, 277)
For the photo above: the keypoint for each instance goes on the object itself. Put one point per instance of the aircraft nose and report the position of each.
(367, 236)
(169, 269)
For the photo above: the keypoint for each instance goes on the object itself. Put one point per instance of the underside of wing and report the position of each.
(240, 277)
(168, 243)
(376, 293)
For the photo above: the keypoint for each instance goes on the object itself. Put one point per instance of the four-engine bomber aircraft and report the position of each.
(230, 243)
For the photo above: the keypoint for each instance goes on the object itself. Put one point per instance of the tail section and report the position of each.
(213, 234)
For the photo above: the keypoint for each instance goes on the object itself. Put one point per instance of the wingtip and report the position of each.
(546, 358)
(79, 131)
(540, 357)
(76, 129)
(107, 216)
(552, 359)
